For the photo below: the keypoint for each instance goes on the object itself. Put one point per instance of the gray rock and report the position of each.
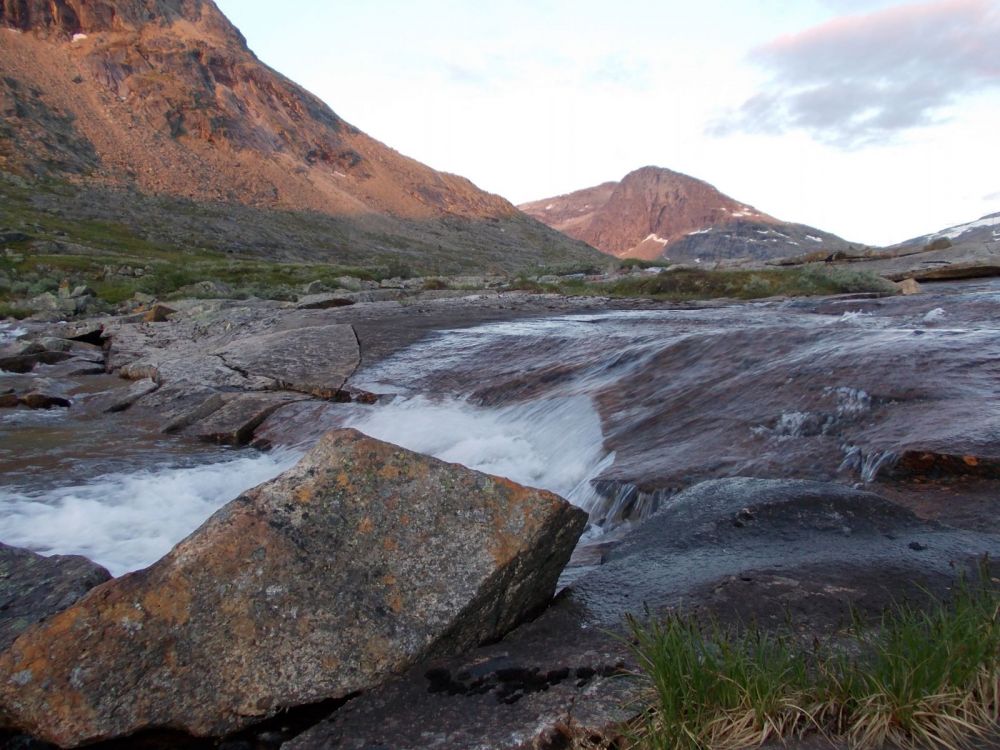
(314, 287)
(316, 360)
(355, 564)
(234, 423)
(33, 587)
(123, 399)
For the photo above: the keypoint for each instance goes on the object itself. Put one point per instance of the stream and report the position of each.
(616, 411)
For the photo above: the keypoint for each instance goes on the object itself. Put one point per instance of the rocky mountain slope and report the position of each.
(654, 213)
(165, 97)
(984, 231)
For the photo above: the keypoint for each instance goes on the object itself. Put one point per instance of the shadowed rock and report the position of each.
(33, 587)
(352, 566)
(235, 422)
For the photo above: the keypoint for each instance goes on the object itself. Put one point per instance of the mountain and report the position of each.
(984, 231)
(164, 98)
(655, 212)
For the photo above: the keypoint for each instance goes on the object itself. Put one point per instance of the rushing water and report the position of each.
(615, 411)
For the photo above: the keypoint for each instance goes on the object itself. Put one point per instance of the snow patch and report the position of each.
(79, 37)
(814, 239)
(699, 231)
(957, 231)
(655, 238)
(550, 207)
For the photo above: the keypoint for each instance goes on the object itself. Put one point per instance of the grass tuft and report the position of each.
(925, 677)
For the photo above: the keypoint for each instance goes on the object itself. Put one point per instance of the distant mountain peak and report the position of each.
(655, 212)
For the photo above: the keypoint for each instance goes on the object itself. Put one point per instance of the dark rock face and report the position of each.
(742, 549)
(656, 212)
(360, 561)
(33, 587)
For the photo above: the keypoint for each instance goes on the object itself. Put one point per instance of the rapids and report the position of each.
(617, 411)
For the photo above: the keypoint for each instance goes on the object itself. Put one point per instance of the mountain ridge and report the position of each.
(655, 212)
(166, 96)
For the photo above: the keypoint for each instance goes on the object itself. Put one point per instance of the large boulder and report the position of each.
(33, 587)
(362, 560)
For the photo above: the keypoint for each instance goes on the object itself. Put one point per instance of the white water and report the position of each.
(128, 521)
(9, 333)
(555, 444)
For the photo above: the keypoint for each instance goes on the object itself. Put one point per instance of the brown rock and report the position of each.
(9, 400)
(158, 314)
(908, 286)
(355, 564)
(37, 400)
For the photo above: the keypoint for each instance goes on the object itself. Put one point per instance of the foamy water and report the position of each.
(9, 333)
(554, 444)
(128, 521)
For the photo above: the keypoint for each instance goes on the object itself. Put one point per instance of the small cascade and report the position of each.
(868, 465)
(128, 521)
(554, 444)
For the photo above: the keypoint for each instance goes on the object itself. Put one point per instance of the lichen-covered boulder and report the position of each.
(355, 564)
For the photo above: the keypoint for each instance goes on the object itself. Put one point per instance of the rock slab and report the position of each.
(357, 563)
(316, 360)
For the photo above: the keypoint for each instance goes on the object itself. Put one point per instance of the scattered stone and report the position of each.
(314, 287)
(82, 291)
(235, 422)
(207, 289)
(908, 286)
(35, 400)
(158, 314)
(54, 344)
(355, 564)
(323, 301)
(141, 298)
(33, 587)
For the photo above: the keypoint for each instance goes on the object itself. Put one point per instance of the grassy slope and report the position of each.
(76, 232)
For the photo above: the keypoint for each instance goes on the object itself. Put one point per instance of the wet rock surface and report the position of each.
(361, 560)
(774, 552)
(892, 394)
(33, 587)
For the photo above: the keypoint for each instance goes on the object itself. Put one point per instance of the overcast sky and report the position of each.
(878, 121)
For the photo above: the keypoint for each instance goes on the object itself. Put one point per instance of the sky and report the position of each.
(877, 120)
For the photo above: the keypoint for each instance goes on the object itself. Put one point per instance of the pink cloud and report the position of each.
(861, 78)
